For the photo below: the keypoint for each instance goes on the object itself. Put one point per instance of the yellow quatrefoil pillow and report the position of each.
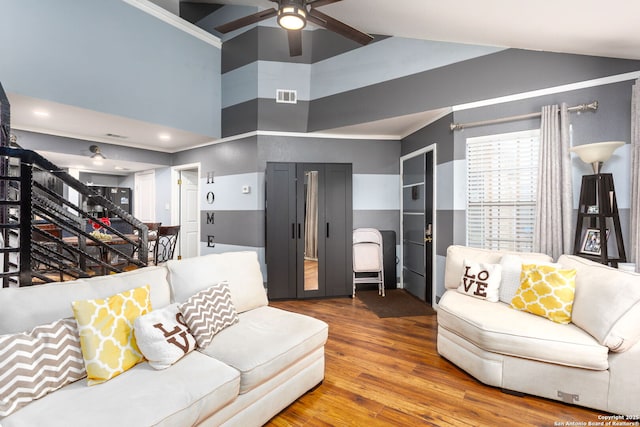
(546, 291)
(106, 332)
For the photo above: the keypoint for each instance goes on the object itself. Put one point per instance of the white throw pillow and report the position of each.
(511, 270)
(481, 280)
(511, 274)
(163, 337)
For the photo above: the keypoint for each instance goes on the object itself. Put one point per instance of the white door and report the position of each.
(189, 214)
(144, 196)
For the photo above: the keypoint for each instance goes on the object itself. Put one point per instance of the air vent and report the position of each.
(286, 96)
(114, 135)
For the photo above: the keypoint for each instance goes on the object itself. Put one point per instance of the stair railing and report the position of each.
(45, 256)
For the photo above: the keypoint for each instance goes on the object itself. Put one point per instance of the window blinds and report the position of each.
(501, 190)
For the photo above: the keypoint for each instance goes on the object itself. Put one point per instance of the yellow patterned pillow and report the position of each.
(546, 291)
(106, 332)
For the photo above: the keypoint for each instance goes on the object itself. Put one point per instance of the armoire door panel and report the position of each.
(281, 233)
(311, 245)
(338, 229)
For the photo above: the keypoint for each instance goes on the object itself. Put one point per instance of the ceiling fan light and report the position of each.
(292, 17)
(96, 154)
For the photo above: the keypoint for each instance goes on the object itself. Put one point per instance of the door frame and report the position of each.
(434, 272)
(175, 197)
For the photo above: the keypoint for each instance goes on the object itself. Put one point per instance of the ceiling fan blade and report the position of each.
(246, 20)
(295, 42)
(341, 28)
(319, 3)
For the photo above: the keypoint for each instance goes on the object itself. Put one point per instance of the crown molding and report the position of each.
(175, 21)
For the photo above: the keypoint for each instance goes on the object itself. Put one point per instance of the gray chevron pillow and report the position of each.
(208, 312)
(33, 364)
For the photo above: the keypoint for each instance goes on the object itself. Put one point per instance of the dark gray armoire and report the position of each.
(309, 223)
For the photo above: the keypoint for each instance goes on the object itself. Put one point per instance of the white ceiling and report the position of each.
(588, 27)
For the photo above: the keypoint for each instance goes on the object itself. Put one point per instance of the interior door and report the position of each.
(417, 225)
(144, 196)
(189, 214)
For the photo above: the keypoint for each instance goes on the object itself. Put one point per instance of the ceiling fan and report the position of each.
(293, 16)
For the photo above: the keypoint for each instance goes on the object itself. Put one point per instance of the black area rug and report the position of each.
(396, 303)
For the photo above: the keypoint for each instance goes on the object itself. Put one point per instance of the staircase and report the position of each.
(44, 237)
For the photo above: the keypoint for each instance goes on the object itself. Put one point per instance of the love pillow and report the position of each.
(481, 280)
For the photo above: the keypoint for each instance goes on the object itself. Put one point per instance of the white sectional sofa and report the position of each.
(593, 361)
(251, 370)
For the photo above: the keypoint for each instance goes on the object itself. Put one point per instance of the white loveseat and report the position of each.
(251, 371)
(593, 361)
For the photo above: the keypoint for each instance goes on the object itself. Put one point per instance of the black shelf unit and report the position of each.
(598, 221)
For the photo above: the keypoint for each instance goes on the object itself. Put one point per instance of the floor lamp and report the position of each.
(598, 208)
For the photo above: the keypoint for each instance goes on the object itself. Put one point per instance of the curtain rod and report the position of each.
(459, 126)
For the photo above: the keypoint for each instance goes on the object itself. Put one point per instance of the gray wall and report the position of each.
(238, 218)
(79, 147)
(610, 122)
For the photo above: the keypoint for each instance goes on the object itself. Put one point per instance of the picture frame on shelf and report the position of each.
(592, 243)
(593, 209)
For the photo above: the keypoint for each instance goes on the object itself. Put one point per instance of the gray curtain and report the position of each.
(553, 226)
(635, 174)
(311, 216)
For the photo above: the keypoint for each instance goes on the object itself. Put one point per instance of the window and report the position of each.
(501, 190)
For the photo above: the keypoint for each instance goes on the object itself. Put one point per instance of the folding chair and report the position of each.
(367, 258)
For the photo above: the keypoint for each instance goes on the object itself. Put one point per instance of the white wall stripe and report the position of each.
(228, 193)
(376, 192)
(549, 91)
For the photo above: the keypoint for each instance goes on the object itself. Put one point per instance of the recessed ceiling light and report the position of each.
(120, 168)
(164, 136)
(41, 113)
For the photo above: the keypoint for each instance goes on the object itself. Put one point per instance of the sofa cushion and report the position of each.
(163, 337)
(546, 291)
(457, 254)
(208, 312)
(500, 329)
(53, 300)
(265, 342)
(35, 363)
(184, 395)
(240, 269)
(106, 332)
(607, 302)
(481, 280)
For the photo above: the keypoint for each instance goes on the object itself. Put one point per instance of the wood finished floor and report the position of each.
(387, 372)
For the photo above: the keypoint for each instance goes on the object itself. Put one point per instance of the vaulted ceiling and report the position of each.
(587, 27)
